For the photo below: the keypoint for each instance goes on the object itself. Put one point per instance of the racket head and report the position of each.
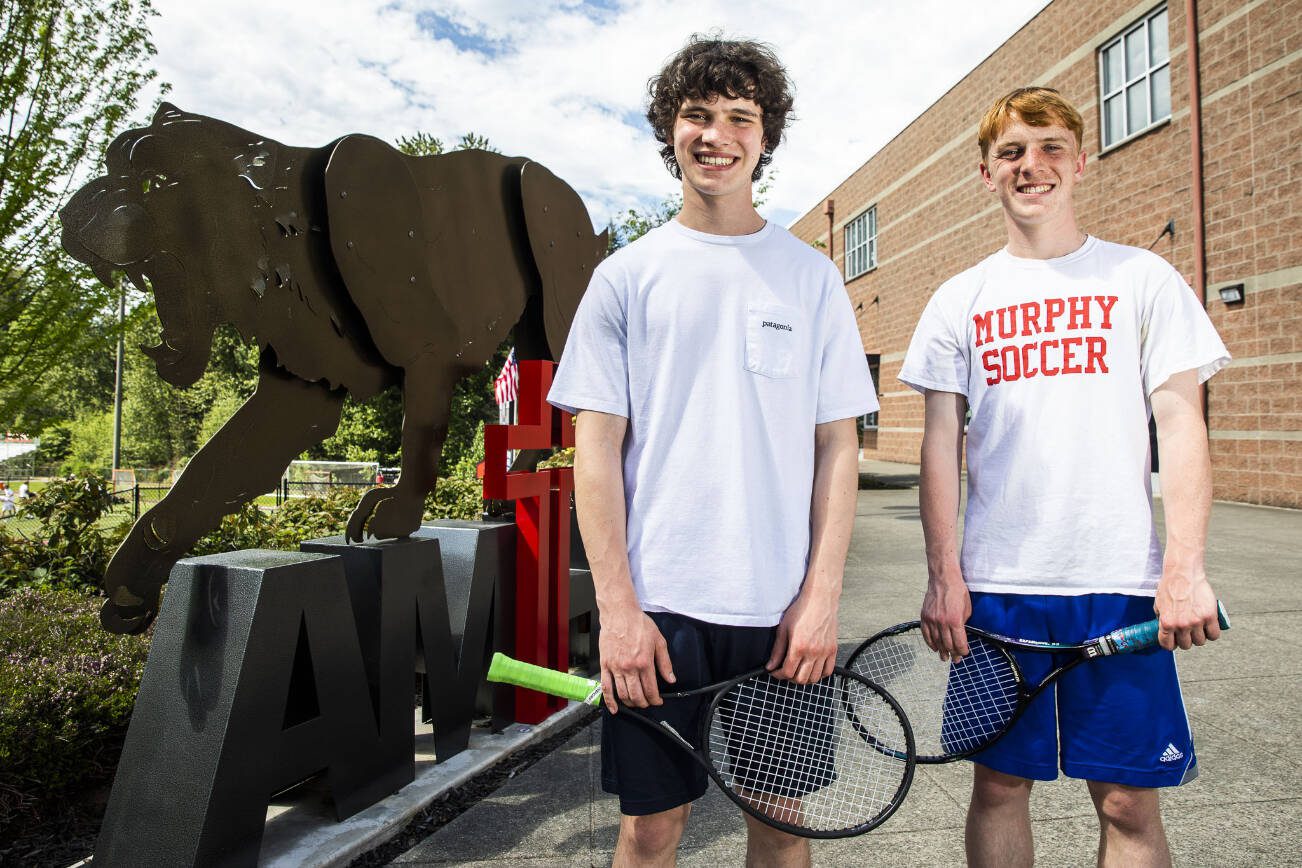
(956, 709)
(796, 757)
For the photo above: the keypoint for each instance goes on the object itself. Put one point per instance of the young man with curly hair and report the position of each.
(716, 370)
(1062, 345)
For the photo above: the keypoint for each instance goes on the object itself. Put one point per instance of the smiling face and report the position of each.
(718, 142)
(1033, 170)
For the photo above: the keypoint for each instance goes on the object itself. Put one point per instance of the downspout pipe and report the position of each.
(829, 208)
(1196, 160)
(1196, 139)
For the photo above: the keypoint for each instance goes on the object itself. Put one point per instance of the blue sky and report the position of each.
(564, 82)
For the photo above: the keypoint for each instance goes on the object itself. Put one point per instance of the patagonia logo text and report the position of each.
(769, 324)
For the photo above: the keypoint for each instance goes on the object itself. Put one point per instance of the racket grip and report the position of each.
(507, 671)
(1137, 637)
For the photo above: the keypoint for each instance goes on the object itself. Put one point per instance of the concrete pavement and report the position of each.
(1242, 695)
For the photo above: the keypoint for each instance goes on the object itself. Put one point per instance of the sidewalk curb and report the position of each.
(315, 839)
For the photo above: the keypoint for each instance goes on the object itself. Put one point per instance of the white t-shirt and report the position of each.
(723, 352)
(1058, 359)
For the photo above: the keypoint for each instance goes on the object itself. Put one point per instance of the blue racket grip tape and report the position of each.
(1137, 637)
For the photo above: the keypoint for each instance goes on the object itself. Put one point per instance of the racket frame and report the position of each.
(1124, 640)
(719, 691)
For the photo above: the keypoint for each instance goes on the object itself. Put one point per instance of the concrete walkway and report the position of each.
(1242, 694)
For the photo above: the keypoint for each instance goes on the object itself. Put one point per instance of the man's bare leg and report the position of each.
(999, 821)
(1130, 827)
(651, 840)
(767, 847)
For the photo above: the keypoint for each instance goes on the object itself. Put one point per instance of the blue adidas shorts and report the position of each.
(1115, 719)
(643, 767)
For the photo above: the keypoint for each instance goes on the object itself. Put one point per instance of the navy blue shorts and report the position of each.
(1114, 719)
(648, 772)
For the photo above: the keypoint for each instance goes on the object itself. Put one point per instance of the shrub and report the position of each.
(68, 549)
(67, 688)
(456, 497)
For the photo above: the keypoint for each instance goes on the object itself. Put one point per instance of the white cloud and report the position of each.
(564, 81)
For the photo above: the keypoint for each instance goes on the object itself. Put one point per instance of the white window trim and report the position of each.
(868, 245)
(1143, 23)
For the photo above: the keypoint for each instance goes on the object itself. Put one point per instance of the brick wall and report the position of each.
(934, 218)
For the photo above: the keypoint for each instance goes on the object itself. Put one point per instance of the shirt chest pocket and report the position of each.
(774, 334)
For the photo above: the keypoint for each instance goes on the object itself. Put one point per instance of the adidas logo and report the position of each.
(1171, 754)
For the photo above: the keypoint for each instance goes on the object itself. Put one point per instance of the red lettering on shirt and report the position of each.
(1053, 308)
(1027, 370)
(1030, 318)
(1105, 303)
(982, 323)
(1079, 308)
(1096, 349)
(1013, 369)
(988, 362)
(1056, 356)
(1069, 364)
(1008, 314)
(1044, 361)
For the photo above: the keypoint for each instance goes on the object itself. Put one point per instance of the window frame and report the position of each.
(864, 249)
(1125, 82)
(869, 421)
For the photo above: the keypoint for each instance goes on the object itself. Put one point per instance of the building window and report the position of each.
(861, 244)
(1135, 79)
(869, 421)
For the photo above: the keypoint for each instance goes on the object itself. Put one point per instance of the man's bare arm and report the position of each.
(805, 649)
(946, 605)
(1185, 603)
(631, 646)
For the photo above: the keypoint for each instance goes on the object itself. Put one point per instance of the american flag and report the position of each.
(507, 385)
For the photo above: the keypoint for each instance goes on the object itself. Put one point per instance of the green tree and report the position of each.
(70, 75)
(637, 222)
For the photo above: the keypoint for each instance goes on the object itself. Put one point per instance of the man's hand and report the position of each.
(632, 650)
(1186, 608)
(805, 648)
(945, 610)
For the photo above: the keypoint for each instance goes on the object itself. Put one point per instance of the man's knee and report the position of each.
(1131, 809)
(992, 789)
(652, 834)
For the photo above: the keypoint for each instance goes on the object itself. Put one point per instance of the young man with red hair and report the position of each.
(1061, 346)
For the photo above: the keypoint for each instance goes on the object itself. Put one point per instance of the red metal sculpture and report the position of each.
(542, 520)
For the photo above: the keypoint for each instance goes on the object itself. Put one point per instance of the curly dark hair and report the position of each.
(707, 67)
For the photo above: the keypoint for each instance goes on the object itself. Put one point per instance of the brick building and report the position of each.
(916, 213)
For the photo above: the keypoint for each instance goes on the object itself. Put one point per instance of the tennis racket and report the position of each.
(959, 708)
(824, 760)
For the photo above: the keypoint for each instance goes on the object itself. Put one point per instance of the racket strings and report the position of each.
(798, 754)
(954, 709)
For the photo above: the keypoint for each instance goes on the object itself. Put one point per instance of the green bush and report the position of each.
(456, 497)
(67, 688)
(68, 549)
(305, 518)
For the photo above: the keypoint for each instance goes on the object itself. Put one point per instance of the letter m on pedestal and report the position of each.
(542, 521)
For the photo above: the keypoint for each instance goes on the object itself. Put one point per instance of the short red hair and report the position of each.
(1036, 106)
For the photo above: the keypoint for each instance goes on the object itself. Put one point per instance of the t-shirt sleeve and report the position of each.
(937, 358)
(593, 372)
(1179, 336)
(845, 387)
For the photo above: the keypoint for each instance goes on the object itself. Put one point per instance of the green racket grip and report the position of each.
(1137, 637)
(507, 671)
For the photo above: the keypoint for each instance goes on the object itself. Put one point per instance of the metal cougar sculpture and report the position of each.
(353, 267)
